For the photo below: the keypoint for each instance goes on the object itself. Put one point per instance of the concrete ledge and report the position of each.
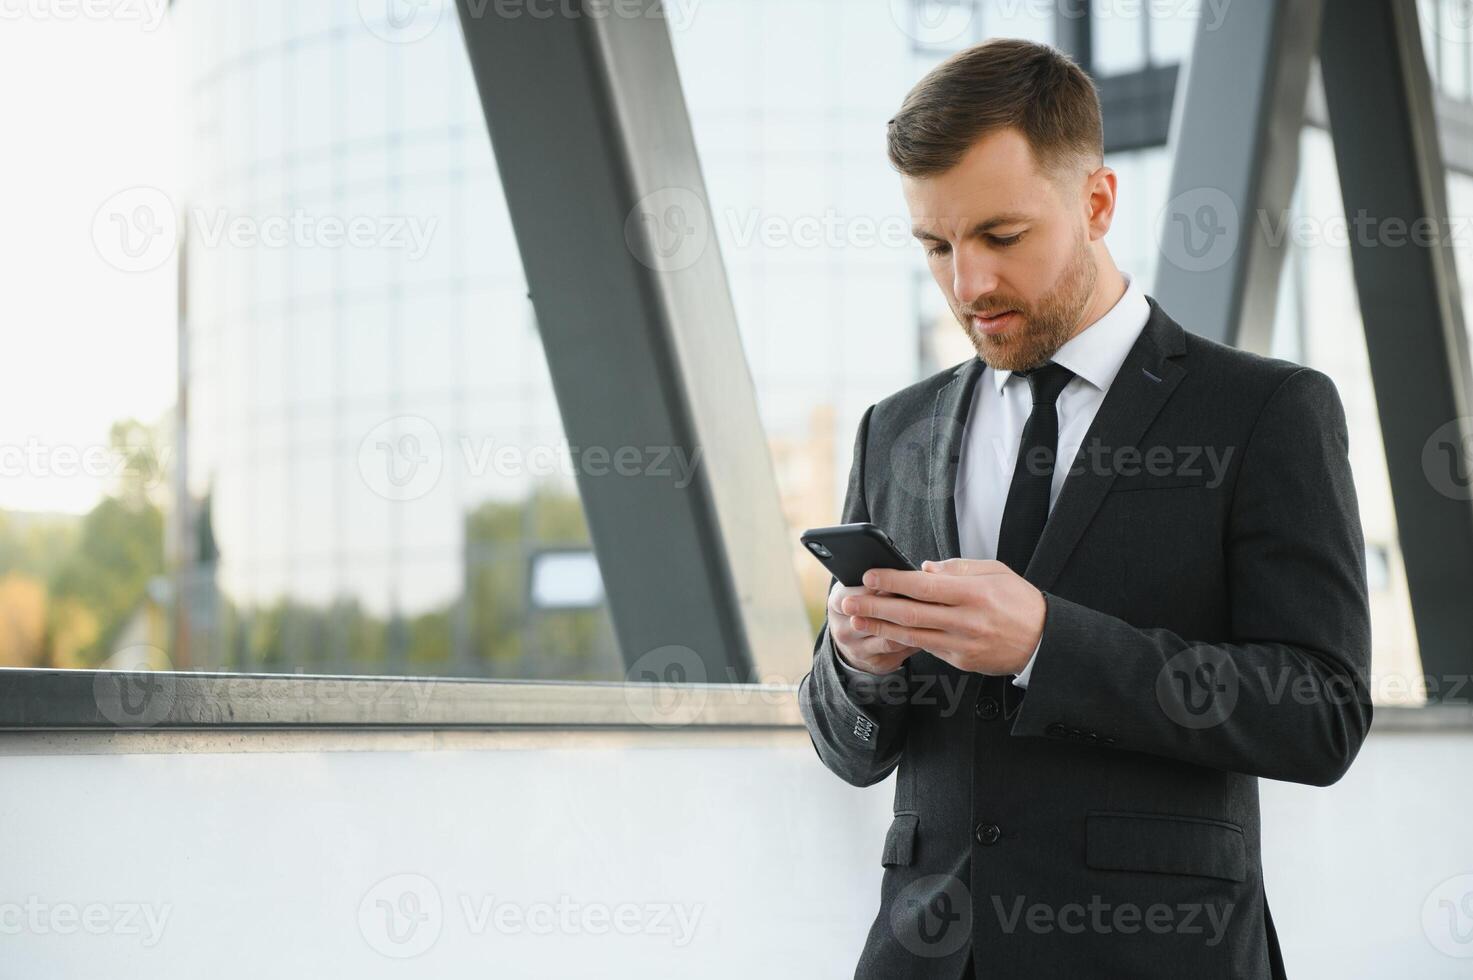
(72, 700)
(109, 700)
(1433, 717)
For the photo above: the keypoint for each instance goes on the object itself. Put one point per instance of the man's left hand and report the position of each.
(978, 616)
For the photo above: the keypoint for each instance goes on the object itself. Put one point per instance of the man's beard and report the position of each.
(1044, 330)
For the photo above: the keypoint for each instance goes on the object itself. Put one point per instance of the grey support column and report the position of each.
(1235, 131)
(1380, 106)
(609, 207)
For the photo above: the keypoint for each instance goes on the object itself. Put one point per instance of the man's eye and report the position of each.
(1007, 242)
(940, 248)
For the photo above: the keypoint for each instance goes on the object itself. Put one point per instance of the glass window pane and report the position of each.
(1119, 39)
(1174, 29)
(1030, 21)
(367, 457)
(1319, 325)
(1144, 176)
(1453, 63)
(1427, 14)
(811, 222)
(369, 472)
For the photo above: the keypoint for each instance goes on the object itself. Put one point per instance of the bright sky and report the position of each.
(89, 110)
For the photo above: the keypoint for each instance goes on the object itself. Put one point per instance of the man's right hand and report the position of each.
(860, 650)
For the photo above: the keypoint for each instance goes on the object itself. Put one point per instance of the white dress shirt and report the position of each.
(1000, 408)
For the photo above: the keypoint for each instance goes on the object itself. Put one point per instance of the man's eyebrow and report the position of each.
(981, 228)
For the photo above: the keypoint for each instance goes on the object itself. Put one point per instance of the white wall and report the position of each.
(261, 860)
(1350, 868)
(259, 851)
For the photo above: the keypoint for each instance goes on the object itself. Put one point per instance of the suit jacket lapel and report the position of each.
(948, 420)
(1142, 386)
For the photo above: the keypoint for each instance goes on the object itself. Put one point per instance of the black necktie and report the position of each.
(1026, 511)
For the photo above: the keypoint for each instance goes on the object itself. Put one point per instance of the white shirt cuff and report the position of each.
(1022, 679)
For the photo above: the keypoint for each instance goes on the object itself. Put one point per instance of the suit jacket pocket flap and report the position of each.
(1164, 843)
(900, 842)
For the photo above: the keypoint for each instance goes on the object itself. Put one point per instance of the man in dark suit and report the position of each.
(1083, 682)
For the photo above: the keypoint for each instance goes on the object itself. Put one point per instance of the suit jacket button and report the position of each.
(988, 834)
(987, 708)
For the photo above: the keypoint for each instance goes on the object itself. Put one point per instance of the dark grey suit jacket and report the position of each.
(1207, 624)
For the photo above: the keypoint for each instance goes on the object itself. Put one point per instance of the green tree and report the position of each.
(509, 639)
(117, 549)
(506, 639)
(34, 544)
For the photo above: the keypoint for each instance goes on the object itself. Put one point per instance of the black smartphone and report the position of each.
(850, 550)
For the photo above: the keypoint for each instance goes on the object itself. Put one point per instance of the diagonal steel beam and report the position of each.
(1235, 133)
(1392, 180)
(594, 146)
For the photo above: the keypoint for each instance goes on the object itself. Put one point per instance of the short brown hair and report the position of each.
(1001, 83)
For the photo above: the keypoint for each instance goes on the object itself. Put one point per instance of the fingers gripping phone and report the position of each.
(850, 550)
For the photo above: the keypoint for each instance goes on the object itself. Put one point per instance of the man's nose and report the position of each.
(974, 276)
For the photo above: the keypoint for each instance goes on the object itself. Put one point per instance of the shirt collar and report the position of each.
(1096, 352)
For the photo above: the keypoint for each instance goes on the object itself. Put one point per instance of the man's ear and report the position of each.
(1100, 200)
